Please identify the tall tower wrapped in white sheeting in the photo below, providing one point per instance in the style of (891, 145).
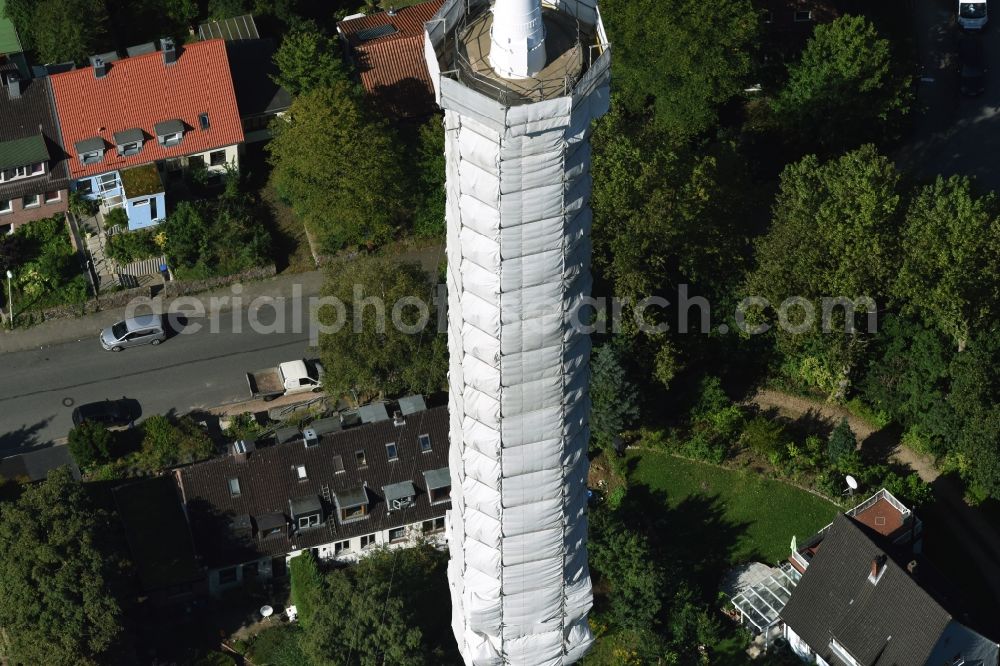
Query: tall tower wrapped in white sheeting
(520, 83)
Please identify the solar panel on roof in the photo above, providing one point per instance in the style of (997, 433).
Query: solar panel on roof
(369, 34)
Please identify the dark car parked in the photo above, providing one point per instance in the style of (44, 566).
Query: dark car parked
(109, 412)
(971, 66)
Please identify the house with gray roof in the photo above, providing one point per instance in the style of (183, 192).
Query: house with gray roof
(34, 181)
(855, 605)
(337, 492)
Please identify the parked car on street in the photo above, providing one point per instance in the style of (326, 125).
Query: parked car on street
(971, 66)
(288, 378)
(144, 330)
(112, 413)
(972, 14)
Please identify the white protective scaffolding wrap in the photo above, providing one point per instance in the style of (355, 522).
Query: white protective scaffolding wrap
(518, 245)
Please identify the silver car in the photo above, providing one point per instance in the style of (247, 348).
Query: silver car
(144, 330)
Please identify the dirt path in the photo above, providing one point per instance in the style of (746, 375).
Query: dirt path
(794, 407)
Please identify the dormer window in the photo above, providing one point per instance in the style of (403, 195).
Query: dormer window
(438, 485)
(129, 142)
(169, 132)
(23, 158)
(399, 495)
(307, 512)
(352, 504)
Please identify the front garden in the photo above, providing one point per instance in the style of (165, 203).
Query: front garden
(46, 269)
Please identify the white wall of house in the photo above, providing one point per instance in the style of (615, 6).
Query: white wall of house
(230, 155)
(224, 578)
(799, 646)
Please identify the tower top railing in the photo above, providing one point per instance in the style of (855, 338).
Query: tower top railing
(556, 80)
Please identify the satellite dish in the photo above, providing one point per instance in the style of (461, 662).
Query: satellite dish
(852, 483)
(266, 611)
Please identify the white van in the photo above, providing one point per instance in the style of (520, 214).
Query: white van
(144, 330)
(972, 14)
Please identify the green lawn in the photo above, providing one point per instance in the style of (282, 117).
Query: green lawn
(760, 515)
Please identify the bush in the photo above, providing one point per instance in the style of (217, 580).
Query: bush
(165, 443)
(208, 239)
(132, 246)
(82, 207)
(47, 272)
(842, 442)
(278, 646)
(763, 436)
(90, 444)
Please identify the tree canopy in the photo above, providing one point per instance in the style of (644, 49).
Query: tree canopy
(307, 59)
(950, 274)
(370, 353)
(614, 399)
(55, 607)
(340, 168)
(90, 443)
(61, 30)
(679, 59)
(845, 89)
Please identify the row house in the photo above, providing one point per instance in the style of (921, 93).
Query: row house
(336, 490)
(129, 125)
(33, 169)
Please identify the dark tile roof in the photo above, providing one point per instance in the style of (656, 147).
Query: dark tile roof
(252, 65)
(892, 622)
(157, 533)
(268, 482)
(36, 465)
(388, 52)
(31, 115)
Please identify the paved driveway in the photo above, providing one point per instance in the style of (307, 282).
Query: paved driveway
(954, 134)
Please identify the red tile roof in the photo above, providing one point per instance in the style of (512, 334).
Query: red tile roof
(392, 68)
(141, 91)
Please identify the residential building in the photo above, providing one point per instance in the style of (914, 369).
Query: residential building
(35, 465)
(856, 606)
(251, 60)
(33, 172)
(335, 491)
(386, 50)
(131, 124)
(759, 606)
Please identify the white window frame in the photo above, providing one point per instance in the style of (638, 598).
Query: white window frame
(341, 547)
(172, 139)
(25, 204)
(312, 520)
(234, 487)
(140, 202)
(107, 182)
(38, 169)
(57, 198)
(425, 438)
(392, 451)
(9, 208)
(401, 531)
(130, 148)
(93, 157)
(370, 538)
(211, 158)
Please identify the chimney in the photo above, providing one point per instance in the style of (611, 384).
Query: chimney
(100, 68)
(242, 449)
(169, 51)
(391, 11)
(397, 419)
(878, 568)
(13, 86)
(912, 567)
(310, 438)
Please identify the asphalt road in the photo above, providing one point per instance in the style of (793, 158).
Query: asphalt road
(954, 134)
(187, 372)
